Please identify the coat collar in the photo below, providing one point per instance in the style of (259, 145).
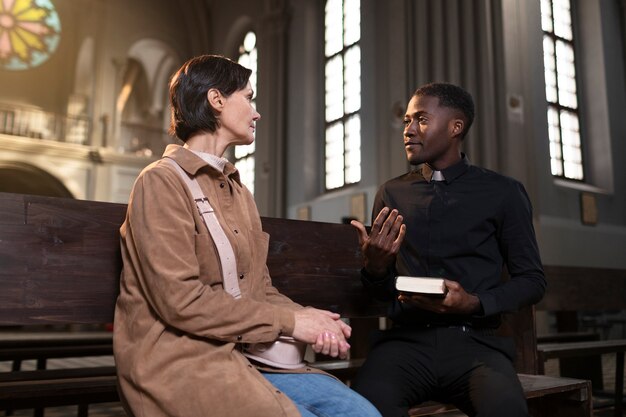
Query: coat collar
(192, 163)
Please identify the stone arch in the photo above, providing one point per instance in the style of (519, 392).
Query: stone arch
(80, 101)
(160, 97)
(236, 34)
(23, 178)
(83, 83)
(141, 113)
(158, 60)
(133, 98)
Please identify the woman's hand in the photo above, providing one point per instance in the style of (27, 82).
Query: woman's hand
(323, 331)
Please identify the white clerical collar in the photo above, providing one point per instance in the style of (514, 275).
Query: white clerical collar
(437, 176)
(213, 160)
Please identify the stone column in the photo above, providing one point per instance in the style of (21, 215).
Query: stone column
(270, 169)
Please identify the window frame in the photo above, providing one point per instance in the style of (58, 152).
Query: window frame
(345, 118)
(249, 155)
(558, 106)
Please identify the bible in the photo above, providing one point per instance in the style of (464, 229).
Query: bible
(422, 285)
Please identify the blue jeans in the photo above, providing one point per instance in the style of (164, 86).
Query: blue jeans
(318, 395)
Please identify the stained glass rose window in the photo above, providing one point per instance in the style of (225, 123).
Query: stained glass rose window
(30, 31)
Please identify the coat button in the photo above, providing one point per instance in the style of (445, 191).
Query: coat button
(222, 185)
(241, 276)
(239, 337)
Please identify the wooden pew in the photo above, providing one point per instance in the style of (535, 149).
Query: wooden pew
(572, 290)
(61, 263)
(17, 346)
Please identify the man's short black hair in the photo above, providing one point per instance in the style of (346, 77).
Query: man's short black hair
(191, 111)
(451, 96)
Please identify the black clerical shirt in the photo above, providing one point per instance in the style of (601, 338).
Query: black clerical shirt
(465, 229)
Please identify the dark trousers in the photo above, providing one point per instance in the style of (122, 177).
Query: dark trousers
(468, 368)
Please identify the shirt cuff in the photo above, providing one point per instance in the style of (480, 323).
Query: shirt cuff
(488, 304)
(375, 279)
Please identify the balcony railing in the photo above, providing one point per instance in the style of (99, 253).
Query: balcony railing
(38, 124)
(134, 138)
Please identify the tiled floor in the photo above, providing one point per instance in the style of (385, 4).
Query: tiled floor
(115, 410)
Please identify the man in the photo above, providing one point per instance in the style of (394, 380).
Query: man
(456, 221)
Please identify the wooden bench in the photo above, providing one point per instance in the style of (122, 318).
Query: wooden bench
(61, 263)
(17, 346)
(572, 290)
(563, 337)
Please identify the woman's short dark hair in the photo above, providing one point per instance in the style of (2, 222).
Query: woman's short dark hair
(191, 111)
(451, 96)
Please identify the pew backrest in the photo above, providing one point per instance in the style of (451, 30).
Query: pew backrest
(60, 264)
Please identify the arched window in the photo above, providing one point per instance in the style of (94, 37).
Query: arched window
(244, 155)
(566, 154)
(342, 92)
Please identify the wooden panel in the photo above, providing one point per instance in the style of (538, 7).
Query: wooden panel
(21, 339)
(50, 374)
(60, 259)
(557, 397)
(567, 337)
(30, 394)
(563, 397)
(12, 209)
(49, 352)
(319, 264)
(61, 262)
(577, 349)
(521, 327)
(573, 288)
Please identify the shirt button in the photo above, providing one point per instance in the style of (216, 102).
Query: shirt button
(236, 231)
(222, 185)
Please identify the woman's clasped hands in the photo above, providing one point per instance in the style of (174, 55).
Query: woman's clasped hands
(323, 330)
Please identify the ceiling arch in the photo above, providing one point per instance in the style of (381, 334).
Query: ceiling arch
(23, 178)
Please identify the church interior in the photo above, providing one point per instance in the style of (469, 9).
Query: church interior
(84, 107)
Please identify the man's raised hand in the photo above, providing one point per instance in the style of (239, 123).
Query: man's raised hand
(383, 243)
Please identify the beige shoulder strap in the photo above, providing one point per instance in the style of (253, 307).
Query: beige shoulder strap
(224, 248)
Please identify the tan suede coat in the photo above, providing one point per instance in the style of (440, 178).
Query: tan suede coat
(176, 329)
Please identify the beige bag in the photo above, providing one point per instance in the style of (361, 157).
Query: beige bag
(285, 352)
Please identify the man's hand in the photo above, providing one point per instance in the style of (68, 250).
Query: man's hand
(323, 331)
(382, 245)
(456, 301)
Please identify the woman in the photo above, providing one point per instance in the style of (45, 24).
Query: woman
(178, 332)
